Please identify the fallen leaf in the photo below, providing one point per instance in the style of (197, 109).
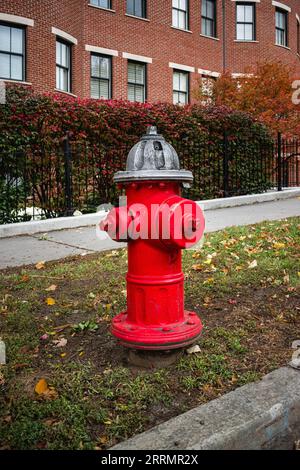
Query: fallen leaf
(41, 387)
(25, 278)
(44, 337)
(286, 279)
(50, 301)
(60, 343)
(63, 355)
(232, 301)
(52, 288)
(197, 267)
(194, 349)
(253, 264)
(40, 265)
(278, 245)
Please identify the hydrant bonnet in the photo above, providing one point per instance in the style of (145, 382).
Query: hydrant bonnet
(153, 159)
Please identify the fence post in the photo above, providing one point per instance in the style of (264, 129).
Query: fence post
(225, 166)
(68, 177)
(279, 162)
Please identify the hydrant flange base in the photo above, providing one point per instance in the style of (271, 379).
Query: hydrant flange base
(170, 336)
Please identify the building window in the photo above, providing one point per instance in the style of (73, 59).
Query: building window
(136, 81)
(102, 3)
(136, 8)
(12, 52)
(209, 18)
(245, 21)
(100, 76)
(63, 66)
(180, 14)
(207, 84)
(180, 87)
(281, 27)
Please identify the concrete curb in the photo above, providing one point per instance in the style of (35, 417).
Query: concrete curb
(64, 223)
(211, 204)
(50, 225)
(260, 415)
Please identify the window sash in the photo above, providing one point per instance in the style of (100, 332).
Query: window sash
(136, 8)
(245, 28)
(101, 81)
(102, 3)
(180, 14)
(136, 81)
(281, 27)
(180, 87)
(63, 66)
(209, 18)
(12, 62)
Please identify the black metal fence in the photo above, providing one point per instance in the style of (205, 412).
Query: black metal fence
(70, 176)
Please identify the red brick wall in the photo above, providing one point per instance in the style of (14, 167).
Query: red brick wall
(154, 38)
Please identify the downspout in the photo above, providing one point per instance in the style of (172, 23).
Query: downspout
(224, 35)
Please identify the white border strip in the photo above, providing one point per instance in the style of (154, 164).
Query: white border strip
(101, 50)
(247, 1)
(185, 68)
(209, 73)
(64, 35)
(16, 19)
(281, 5)
(138, 58)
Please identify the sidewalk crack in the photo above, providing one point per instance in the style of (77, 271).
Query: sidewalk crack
(90, 250)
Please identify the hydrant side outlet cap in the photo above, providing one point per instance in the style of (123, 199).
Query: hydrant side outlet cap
(153, 159)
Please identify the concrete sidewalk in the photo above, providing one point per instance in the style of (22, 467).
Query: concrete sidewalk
(29, 249)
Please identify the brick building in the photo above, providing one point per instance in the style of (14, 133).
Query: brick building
(141, 49)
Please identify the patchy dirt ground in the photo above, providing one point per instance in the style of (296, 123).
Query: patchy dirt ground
(67, 383)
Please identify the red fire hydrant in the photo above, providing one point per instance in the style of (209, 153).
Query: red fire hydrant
(157, 223)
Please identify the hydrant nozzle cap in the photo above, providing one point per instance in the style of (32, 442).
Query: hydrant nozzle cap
(153, 159)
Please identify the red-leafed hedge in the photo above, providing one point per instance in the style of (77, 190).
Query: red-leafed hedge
(102, 132)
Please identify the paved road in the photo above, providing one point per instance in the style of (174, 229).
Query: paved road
(22, 250)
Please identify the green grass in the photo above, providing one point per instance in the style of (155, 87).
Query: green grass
(250, 317)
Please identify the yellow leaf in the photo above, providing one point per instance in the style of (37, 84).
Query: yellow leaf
(278, 245)
(298, 273)
(52, 288)
(41, 387)
(63, 355)
(50, 301)
(40, 265)
(210, 280)
(108, 422)
(207, 261)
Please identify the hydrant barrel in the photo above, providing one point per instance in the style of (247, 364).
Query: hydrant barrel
(159, 223)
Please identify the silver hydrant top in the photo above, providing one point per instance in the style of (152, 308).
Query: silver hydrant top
(153, 159)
